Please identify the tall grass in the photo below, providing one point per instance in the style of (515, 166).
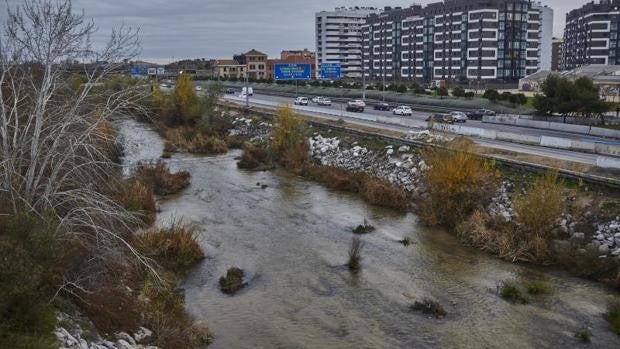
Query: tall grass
(355, 254)
(538, 210)
(374, 190)
(289, 142)
(175, 247)
(158, 177)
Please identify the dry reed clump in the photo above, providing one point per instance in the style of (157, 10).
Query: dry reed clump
(355, 254)
(374, 190)
(160, 179)
(429, 307)
(255, 158)
(137, 197)
(191, 141)
(458, 182)
(176, 248)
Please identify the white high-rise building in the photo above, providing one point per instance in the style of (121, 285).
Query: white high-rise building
(543, 15)
(339, 38)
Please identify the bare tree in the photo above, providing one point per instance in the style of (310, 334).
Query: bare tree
(55, 138)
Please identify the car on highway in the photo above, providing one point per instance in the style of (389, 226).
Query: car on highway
(324, 101)
(441, 118)
(356, 106)
(459, 116)
(230, 91)
(403, 110)
(478, 114)
(198, 88)
(164, 85)
(316, 99)
(247, 90)
(382, 106)
(301, 101)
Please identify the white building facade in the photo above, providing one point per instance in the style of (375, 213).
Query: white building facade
(338, 38)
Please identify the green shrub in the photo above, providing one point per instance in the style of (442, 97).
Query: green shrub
(30, 250)
(429, 306)
(583, 335)
(613, 316)
(363, 228)
(512, 293)
(536, 288)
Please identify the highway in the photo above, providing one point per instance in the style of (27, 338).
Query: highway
(367, 119)
(337, 108)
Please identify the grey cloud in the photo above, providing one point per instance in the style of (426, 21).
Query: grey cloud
(220, 28)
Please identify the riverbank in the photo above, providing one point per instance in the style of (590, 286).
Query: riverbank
(585, 229)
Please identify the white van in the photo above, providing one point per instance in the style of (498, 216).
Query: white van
(248, 91)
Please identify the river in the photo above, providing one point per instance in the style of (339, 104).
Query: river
(292, 238)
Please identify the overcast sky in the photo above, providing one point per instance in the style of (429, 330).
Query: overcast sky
(220, 28)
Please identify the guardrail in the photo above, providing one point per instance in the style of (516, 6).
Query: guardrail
(556, 126)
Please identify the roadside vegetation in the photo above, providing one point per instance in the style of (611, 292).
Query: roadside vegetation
(188, 122)
(565, 97)
(70, 223)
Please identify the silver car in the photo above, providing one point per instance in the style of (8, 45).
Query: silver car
(459, 116)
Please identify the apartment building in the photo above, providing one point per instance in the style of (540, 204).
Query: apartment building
(556, 54)
(591, 34)
(338, 38)
(228, 68)
(459, 39)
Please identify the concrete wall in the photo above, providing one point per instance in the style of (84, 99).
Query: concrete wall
(556, 126)
(607, 162)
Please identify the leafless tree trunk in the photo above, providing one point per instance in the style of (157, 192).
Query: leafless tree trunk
(52, 136)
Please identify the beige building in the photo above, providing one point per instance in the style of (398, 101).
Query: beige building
(227, 68)
(256, 64)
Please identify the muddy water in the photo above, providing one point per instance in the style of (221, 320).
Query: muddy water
(292, 239)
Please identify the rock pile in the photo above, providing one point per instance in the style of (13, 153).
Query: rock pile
(427, 136)
(397, 166)
(501, 204)
(72, 335)
(257, 132)
(607, 238)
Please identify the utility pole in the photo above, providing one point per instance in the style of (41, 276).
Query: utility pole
(247, 89)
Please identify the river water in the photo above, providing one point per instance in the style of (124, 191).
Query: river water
(292, 238)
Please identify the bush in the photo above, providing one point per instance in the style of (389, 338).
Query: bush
(135, 196)
(458, 182)
(458, 91)
(165, 315)
(583, 335)
(613, 316)
(505, 96)
(233, 281)
(289, 143)
(470, 95)
(30, 250)
(428, 306)
(491, 95)
(158, 177)
(442, 92)
(374, 190)
(175, 248)
(355, 254)
(364, 228)
(255, 158)
(538, 210)
(512, 293)
(537, 288)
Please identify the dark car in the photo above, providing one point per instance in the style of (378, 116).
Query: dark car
(382, 106)
(478, 114)
(230, 91)
(441, 118)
